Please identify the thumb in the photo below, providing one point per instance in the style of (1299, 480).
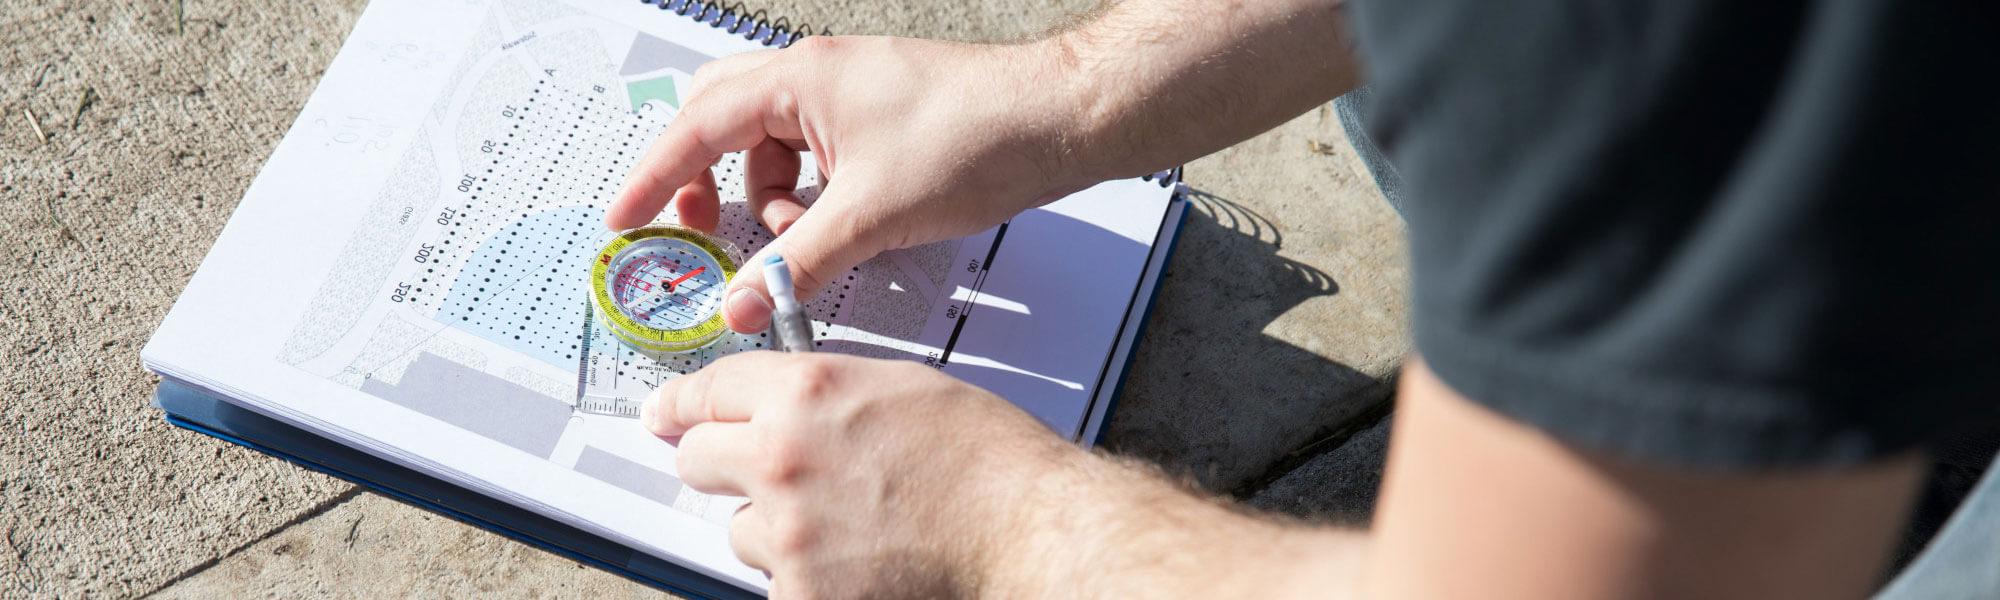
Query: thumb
(826, 241)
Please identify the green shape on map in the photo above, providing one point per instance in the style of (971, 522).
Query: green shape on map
(658, 88)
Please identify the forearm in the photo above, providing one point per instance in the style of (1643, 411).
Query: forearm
(1093, 526)
(1161, 82)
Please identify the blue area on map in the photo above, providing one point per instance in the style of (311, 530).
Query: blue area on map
(525, 287)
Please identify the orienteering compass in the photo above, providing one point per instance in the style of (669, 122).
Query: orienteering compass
(659, 288)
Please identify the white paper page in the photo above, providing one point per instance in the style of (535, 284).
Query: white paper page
(408, 273)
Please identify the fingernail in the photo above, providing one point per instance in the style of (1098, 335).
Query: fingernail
(749, 309)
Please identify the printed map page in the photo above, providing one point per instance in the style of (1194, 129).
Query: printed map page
(455, 164)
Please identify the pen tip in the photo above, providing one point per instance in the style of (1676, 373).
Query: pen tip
(774, 260)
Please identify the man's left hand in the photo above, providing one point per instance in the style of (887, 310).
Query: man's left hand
(866, 478)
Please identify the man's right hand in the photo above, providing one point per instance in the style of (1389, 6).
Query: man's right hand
(917, 141)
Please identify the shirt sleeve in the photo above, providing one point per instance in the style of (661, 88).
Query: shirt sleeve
(1734, 239)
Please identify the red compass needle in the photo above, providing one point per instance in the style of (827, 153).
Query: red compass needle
(677, 280)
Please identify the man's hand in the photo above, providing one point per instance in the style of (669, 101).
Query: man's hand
(919, 141)
(867, 478)
(879, 478)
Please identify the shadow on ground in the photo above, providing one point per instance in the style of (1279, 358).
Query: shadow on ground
(1213, 395)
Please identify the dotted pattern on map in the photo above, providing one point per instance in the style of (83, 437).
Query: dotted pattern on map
(513, 263)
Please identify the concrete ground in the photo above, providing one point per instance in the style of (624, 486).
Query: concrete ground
(129, 130)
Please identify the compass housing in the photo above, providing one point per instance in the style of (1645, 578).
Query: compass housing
(659, 288)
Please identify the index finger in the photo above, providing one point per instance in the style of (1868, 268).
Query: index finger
(726, 390)
(729, 115)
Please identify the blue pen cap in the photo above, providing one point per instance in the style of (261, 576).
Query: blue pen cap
(778, 279)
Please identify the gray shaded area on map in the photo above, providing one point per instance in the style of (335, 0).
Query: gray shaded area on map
(650, 54)
(634, 477)
(475, 401)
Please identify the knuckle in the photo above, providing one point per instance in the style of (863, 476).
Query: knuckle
(814, 378)
(705, 74)
(708, 134)
(693, 110)
(811, 276)
(804, 281)
(816, 45)
(790, 536)
(786, 462)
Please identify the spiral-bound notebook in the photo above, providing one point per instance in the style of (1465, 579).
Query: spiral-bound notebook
(400, 297)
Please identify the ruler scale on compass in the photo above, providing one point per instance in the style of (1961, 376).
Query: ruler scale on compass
(616, 406)
(598, 404)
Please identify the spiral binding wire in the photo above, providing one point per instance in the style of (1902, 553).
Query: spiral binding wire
(734, 18)
(1167, 178)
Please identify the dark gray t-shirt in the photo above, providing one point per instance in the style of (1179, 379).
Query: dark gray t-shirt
(1703, 233)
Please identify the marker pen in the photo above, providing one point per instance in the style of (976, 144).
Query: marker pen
(789, 325)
